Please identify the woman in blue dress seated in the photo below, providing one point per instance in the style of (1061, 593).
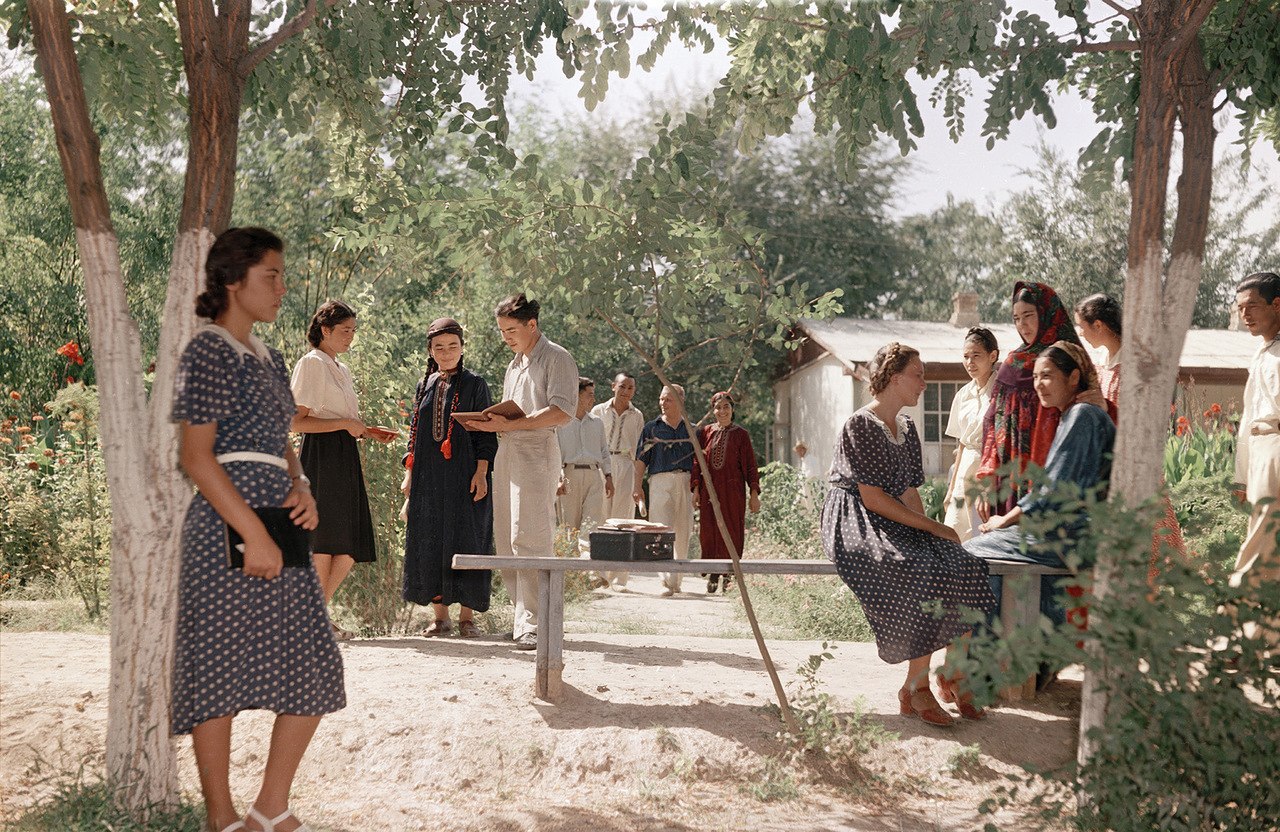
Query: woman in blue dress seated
(1079, 460)
(903, 566)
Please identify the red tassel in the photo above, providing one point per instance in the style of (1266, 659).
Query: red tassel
(408, 462)
(446, 449)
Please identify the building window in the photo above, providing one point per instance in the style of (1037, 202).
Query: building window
(938, 396)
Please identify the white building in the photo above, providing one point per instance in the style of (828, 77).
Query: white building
(827, 380)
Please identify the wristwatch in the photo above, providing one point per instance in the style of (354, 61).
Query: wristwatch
(303, 479)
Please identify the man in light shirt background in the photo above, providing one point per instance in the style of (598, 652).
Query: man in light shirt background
(586, 480)
(1258, 442)
(622, 425)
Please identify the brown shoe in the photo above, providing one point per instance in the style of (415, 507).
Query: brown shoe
(921, 703)
(439, 627)
(468, 629)
(949, 690)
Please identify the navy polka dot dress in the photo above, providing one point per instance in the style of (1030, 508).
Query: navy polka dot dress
(242, 642)
(893, 569)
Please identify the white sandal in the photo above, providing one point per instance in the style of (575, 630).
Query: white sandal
(234, 826)
(270, 825)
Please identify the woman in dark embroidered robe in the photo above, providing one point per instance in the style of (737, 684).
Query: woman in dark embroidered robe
(449, 509)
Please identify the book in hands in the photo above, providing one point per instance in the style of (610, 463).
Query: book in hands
(509, 409)
(381, 434)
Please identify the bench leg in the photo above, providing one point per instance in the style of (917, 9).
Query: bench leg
(550, 658)
(1019, 607)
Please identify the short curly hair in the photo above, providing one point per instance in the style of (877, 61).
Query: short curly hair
(889, 361)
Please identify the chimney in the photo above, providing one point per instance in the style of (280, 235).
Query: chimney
(964, 310)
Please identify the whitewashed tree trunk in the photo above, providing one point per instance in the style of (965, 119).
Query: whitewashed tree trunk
(149, 494)
(1174, 90)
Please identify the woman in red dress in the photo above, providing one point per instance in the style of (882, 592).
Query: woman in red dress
(732, 464)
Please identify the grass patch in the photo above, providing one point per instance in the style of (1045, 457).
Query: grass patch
(818, 608)
(775, 783)
(47, 604)
(81, 803)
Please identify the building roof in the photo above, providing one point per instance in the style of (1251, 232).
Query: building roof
(855, 341)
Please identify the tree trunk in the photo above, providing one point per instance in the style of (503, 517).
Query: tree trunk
(1158, 306)
(148, 492)
(141, 765)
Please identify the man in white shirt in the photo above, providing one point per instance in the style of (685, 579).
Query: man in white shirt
(622, 425)
(542, 380)
(586, 480)
(1258, 442)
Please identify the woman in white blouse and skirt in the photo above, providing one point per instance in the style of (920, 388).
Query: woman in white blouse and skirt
(981, 352)
(328, 419)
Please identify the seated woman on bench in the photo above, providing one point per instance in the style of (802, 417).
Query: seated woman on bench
(1080, 455)
(900, 563)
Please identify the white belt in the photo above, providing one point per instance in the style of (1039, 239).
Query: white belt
(253, 456)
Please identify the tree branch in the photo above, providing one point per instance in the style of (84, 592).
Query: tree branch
(1122, 10)
(288, 29)
(1106, 46)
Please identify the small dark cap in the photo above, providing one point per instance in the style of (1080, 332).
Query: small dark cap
(444, 326)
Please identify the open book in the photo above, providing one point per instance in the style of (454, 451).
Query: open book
(508, 408)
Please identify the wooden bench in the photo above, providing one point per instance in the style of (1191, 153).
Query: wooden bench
(1019, 602)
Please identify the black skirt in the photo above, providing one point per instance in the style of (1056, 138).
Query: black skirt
(332, 462)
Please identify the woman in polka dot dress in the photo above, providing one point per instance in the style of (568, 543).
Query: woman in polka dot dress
(897, 560)
(257, 637)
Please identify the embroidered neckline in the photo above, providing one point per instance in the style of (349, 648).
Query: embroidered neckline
(439, 406)
(719, 444)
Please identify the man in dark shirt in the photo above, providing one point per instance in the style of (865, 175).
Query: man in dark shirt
(666, 454)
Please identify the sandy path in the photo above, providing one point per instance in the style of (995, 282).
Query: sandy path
(657, 731)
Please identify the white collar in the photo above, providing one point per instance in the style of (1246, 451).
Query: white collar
(258, 351)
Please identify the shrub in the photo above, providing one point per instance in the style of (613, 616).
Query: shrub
(1180, 747)
(55, 529)
(790, 510)
(1213, 522)
(827, 739)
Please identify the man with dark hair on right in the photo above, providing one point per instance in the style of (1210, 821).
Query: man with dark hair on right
(543, 379)
(1258, 442)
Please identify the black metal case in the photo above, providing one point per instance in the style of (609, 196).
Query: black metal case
(608, 544)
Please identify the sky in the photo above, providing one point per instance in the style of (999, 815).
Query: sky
(965, 170)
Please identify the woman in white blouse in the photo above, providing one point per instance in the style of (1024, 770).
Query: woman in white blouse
(981, 352)
(328, 419)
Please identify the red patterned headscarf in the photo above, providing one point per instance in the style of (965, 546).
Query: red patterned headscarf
(1055, 323)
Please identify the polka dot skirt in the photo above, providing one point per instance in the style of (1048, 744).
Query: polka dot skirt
(242, 642)
(899, 574)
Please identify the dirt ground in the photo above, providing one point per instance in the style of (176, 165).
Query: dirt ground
(659, 730)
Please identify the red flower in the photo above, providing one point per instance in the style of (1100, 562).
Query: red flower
(71, 352)
(1208, 414)
(1183, 425)
(15, 395)
(34, 466)
(1215, 408)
